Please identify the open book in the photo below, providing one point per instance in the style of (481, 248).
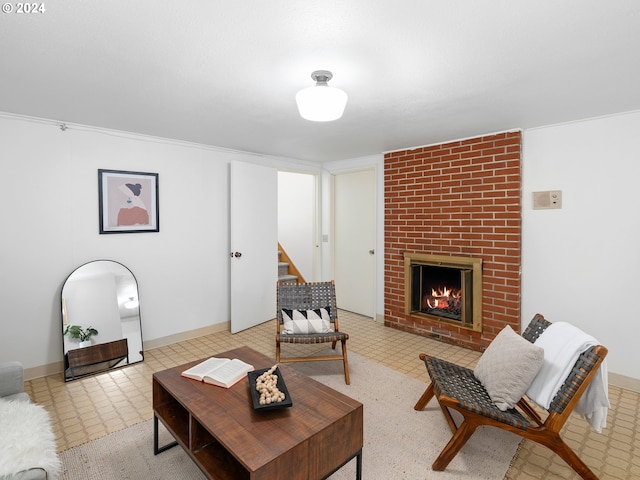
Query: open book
(222, 372)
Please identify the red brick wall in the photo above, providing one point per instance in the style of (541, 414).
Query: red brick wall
(460, 198)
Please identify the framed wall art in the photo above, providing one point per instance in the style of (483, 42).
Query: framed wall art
(128, 201)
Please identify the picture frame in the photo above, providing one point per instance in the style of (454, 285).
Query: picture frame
(128, 201)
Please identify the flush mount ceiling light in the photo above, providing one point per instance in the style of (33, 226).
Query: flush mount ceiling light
(131, 303)
(321, 103)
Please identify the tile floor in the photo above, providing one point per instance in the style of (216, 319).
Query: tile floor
(95, 406)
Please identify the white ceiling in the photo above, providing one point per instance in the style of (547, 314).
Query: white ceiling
(226, 73)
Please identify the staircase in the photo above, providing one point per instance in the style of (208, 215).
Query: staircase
(283, 270)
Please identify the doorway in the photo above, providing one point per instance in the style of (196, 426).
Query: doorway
(298, 221)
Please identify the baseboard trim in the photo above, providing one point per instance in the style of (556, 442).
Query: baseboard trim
(58, 367)
(622, 381)
(191, 334)
(43, 370)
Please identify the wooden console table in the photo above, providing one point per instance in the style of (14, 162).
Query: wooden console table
(95, 358)
(229, 440)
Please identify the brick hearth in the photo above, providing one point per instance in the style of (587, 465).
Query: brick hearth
(460, 198)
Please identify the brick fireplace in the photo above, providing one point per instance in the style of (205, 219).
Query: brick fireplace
(458, 199)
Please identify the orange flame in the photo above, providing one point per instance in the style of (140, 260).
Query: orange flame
(440, 297)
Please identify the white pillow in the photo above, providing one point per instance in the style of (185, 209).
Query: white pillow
(507, 367)
(317, 320)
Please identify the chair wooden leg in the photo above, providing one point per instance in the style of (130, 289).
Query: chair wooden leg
(345, 363)
(449, 418)
(458, 440)
(277, 351)
(557, 445)
(425, 398)
(574, 462)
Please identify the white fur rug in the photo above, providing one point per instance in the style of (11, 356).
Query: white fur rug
(399, 443)
(26, 439)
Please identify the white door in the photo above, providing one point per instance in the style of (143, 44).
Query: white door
(254, 244)
(354, 241)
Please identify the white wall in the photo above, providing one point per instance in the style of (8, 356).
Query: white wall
(93, 302)
(580, 263)
(49, 215)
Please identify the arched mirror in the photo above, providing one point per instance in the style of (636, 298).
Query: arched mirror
(101, 326)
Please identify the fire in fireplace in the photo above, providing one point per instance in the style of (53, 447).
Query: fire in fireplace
(445, 302)
(444, 288)
(437, 291)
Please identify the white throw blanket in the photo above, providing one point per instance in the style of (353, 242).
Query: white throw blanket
(563, 343)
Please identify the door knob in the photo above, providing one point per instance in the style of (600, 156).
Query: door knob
(372, 251)
(235, 254)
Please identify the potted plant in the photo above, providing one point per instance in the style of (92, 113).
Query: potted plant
(83, 335)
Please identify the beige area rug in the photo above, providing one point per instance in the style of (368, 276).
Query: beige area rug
(399, 443)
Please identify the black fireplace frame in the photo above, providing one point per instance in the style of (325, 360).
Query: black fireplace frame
(472, 268)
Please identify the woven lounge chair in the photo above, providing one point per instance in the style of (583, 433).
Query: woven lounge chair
(310, 296)
(457, 388)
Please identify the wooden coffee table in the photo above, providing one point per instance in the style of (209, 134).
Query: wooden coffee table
(229, 440)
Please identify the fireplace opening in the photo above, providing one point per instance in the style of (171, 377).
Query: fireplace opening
(438, 291)
(444, 288)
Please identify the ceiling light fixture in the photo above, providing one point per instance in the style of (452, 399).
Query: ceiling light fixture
(321, 103)
(131, 303)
